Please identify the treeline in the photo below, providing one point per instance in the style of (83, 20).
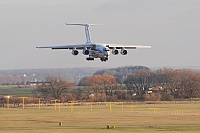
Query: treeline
(164, 84)
(120, 84)
(121, 72)
(159, 85)
(12, 80)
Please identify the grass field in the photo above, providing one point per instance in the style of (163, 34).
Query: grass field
(14, 90)
(167, 118)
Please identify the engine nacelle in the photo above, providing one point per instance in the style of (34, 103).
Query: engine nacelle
(75, 52)
(115, 51)
(123, 51)
(86, 51)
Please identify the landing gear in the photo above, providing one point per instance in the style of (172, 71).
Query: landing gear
(90, 59)
(104, 59)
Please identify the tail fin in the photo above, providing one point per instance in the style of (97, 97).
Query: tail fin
(87, 32)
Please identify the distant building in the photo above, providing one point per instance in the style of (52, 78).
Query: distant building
(36, 83)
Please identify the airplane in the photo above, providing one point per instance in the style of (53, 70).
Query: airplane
(95, 50)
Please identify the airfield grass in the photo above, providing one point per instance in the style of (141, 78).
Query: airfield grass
(14, 90)
(168, 118)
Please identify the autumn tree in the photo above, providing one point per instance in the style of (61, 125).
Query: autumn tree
(121, 72)
(53, 87)
(102, 84)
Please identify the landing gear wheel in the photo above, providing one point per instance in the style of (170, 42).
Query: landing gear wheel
(104, 59)
(90, 59)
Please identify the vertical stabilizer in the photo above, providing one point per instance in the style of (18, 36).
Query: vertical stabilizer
(87, 33)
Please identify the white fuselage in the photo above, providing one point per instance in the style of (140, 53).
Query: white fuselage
(99, 51)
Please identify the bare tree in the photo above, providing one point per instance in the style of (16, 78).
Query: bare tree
(139, 82)
(54, 87)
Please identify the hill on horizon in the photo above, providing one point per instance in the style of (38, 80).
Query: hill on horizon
(72, 75)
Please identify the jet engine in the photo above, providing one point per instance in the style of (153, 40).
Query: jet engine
(123, 51)
(85, 51)
(75, 52)
(115, 51)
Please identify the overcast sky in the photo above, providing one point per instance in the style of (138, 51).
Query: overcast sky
(171, 27)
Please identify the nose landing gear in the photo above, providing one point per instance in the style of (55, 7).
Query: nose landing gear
(90, 59)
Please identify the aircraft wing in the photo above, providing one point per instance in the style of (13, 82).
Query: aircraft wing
(126, 46)
(72, 46)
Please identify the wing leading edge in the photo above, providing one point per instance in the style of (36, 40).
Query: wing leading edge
(77, 46)
(120, 46)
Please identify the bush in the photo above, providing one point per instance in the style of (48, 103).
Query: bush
(167, 97)
(128, 97)
(152, 97)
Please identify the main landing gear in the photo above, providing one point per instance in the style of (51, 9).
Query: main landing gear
(104, 59)
(92, 59)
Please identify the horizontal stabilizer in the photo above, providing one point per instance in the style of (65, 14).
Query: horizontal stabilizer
(84, 24)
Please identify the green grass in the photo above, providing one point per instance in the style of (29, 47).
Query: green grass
(14, 90)
(184, 119)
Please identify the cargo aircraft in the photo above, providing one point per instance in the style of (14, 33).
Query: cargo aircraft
(96, 50)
